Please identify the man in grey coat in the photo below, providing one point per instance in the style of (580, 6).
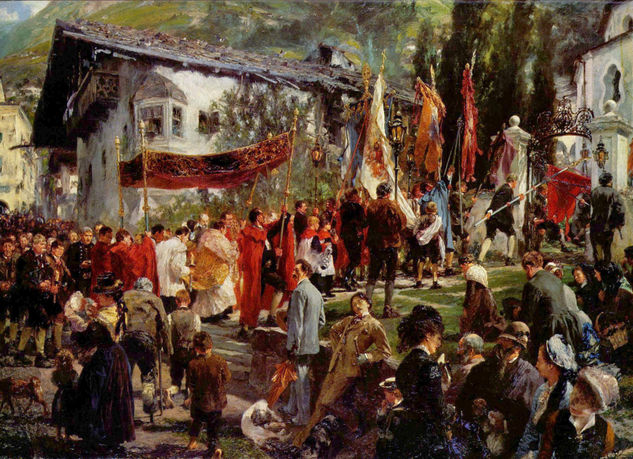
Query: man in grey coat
(305, 317)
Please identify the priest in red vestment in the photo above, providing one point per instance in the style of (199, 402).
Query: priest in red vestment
(143, 260)
(120, 255)
(252, 242)
(100, 255)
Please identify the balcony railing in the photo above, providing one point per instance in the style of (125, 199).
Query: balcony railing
(98, 93)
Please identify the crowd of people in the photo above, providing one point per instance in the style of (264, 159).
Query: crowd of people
(112, 300)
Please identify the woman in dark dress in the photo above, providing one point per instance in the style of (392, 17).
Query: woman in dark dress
(104, 404)
(418, 425)
(586, 290)
(615, 292)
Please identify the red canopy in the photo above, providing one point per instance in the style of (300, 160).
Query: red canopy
(172, 171)
(562, 191)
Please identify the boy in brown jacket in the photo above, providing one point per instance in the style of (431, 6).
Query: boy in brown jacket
(207, 376)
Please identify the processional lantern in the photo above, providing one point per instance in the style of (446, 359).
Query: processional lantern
(397, 131)
(316, 154)
(600, 154)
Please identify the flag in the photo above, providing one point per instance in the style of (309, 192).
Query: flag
(378, 165)
(562, 191)
(629, 165)
(428, 145)
(502, 153)
(352, 157)
(471, 118)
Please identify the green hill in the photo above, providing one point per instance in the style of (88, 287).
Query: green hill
(293, 29)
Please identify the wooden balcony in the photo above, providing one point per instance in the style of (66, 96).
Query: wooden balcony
(98, 93)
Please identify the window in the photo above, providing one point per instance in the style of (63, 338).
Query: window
(176, 121)
(611, 83)
(152, 116)
(208, 123)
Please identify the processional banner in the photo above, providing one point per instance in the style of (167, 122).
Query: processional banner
(378, 164)
(562, 191)
(172, 171)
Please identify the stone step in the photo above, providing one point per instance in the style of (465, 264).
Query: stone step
(231, 345)
(235, 357)
(239, 372)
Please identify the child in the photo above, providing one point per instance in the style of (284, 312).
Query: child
(325, 267)
(428, 235)
(183, 324)
(580, 431)
(207, 376)
(65, 378)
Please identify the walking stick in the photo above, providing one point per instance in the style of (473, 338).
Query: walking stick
(159, 344)
(530, 190)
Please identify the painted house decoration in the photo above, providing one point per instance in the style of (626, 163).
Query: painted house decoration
(103, 79)
(19, 165)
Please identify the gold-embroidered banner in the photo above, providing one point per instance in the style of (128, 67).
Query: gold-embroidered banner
(173, 171)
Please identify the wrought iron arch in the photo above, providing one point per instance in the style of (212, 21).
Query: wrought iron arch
(562, 121)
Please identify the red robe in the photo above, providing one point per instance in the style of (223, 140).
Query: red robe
(342, 258)
(122, 266)
(285, 266)
(101, 261)
(252, 242)
(143, 261)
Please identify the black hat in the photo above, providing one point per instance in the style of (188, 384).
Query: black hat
(628, 252)
(605, 178)
(108, 285)
(384, 189)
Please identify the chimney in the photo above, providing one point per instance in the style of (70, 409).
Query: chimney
(2, 99)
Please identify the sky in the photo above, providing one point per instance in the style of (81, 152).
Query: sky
(19, 10)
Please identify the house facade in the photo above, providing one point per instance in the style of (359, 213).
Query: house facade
(19, 164)
(102, 80)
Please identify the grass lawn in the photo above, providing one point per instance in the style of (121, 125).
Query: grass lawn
(505, 282)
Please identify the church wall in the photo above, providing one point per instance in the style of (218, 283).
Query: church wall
(599, 68)
(620, 20)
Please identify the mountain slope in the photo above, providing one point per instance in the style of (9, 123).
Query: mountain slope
(293, 29)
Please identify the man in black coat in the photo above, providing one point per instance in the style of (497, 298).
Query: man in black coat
(36, 286)
(537, 225)
(545, 308)
(503, 220)
(352, 224)
(301, 219)
(502, 385)
(78, 261)
(607, 215)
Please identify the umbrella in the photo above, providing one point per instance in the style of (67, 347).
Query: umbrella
(285, 373)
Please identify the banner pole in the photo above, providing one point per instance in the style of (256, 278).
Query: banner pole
(117, 147)
(293, 135)
(141, 127)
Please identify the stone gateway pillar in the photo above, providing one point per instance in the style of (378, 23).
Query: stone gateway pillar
(615, 133)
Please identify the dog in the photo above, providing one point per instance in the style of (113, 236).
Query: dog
(31, 389)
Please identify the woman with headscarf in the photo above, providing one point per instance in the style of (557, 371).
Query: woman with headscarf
(104, 403)
(557, 365)
(480, 315)
(615, 292)
(580, 431)
(419, 424)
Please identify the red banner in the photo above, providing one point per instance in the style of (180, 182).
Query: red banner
(562, 191)
(172, 171)
(471, 117)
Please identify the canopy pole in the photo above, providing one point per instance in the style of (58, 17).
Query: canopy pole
(141, 128)
(117, 147)
(293, 135)
(249, 201)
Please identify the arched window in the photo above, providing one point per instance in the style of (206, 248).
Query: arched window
(612, 84)
(627, 23)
